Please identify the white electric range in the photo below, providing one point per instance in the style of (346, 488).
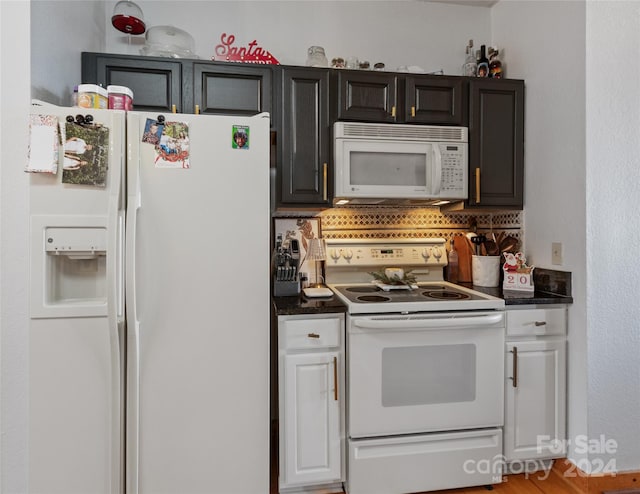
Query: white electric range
(425, 370)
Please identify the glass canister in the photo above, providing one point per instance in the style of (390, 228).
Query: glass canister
(316, 57)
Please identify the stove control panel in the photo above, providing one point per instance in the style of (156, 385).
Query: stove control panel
(425, 252)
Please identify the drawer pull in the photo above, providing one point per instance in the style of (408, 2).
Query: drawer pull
(540, 323)
(324, 182)
(393, 111)
(335, 378)
(313, 335)
(514, 379)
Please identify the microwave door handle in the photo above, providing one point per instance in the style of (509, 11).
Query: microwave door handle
(437, 170)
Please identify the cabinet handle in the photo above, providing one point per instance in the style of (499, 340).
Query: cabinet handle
(313, 335)
(515, 367)
(413, 111)
(540, 323)
(477, 185)
(393, 111)
(174, 109)
(197, 110)
(335, 378)
(324, 181)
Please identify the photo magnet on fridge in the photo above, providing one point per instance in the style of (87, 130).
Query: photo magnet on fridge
(173, 149)
(86, 154)
(152, 131)
(240, 135)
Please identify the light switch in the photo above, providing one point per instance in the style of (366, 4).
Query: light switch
(556, 253)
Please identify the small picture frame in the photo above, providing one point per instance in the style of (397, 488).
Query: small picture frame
(303, 230)
(152, 131)
(240, 137)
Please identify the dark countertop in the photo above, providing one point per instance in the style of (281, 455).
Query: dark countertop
(286, 306)
(522, 298)
(551, 287)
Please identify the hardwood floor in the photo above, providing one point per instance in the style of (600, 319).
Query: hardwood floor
(534, 483)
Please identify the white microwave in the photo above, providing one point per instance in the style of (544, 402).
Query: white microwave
(378, 163)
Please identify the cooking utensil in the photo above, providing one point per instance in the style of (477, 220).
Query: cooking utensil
(478, 240)
(509, 244)
(491, 247)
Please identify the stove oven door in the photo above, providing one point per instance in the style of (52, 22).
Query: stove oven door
(425, 372)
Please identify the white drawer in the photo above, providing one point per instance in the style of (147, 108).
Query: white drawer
(537, 322)
(310, 333)
(425, 462)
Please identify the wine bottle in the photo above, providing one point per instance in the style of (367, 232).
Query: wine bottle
(483, 63)
(495, 65)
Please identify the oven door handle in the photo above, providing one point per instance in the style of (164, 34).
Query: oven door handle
(429, 323)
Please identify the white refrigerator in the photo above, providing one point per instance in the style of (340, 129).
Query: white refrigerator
(149, 306)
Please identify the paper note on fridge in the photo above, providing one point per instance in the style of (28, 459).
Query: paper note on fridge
(43, 144)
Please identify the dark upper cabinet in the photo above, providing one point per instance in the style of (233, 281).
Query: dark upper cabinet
(157, 84)
(367, 96)
(496, 143)
(231, 89)
(401, 98)
(437, 100)
(304, 164)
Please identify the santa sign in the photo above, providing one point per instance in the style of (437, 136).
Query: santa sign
(252, 53)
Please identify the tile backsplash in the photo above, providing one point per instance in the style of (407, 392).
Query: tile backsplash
(385, 222)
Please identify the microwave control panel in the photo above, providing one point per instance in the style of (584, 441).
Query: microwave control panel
(454, 170)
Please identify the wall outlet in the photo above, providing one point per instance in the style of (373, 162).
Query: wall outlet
(556, 253)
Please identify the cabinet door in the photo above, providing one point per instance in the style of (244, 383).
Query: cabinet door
(435, 100)
(367, 96)
(156, 84)
(305, 164)
(311, 419)
(535, 413)
(231, 89)
(496, 143)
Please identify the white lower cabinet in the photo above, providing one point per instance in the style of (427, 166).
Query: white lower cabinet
(535, 389)
(311, 399)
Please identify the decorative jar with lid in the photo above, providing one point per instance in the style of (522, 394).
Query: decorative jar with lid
(316, 57)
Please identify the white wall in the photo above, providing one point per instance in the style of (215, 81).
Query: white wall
(61, 30)
(613, 227)
(545, 45)
(14, 115)
(430, 35)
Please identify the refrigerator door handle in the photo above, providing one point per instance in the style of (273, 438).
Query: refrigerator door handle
(133, 340)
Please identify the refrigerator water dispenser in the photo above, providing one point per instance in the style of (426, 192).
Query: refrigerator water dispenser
(76, 265)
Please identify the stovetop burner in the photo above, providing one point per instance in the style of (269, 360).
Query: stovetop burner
(363, 289)
(372, 298)
(446, 295)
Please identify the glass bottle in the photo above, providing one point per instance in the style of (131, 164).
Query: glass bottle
(452, 265)
(316, 57)
(483, 63)
(470, 66)
(495, 65)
